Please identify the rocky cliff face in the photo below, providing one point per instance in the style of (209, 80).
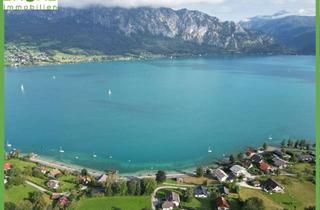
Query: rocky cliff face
(135, 31)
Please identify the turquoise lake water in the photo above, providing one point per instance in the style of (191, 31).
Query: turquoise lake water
(161, 113)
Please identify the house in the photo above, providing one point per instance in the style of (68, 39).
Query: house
(238, 170)
(53, 184)
(179, 180)
(246, 164)
(102, 179)
(174, 198)
(219, 174)
(250, 153)
(200, 192)
(55, 196)
(167, 205)
(306, 158)
(39, 169)
(84, 180)
(278, 162)
(264, 167)
(54, 173)
(222, 204)
(63, 201)
(231, 177)
(7, 166)
(256, 158)
(281, 154)
(223, 190)
(272, 186)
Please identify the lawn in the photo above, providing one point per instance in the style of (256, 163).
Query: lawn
(114, 203)
(270, 204)
(197, 204)
(20, 163)
(17, 193)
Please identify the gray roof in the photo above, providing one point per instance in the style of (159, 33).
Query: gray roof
(167, 204)
(200, 190)
(219, 174)
(237, 169)
(279, 162)
(172, 196)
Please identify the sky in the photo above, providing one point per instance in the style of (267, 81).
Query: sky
(223, 9)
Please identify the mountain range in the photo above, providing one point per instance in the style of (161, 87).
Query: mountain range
(158, 31)
(296, 32)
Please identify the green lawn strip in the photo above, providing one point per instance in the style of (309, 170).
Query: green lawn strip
(112, 203)
(198, 204)
(20, 163)
(17, 193)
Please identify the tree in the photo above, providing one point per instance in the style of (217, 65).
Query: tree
(148, 186)
(289, 144)
(10, 206)
(123, 188)
(138, 188)
(296, 144)
(16, 180)
(310, 208)
(231, 158)
(38, 200)
(253, 203)
(132, 187)
(161, 176)
(108, 189)
(265, 146)
(84, 172)
(240, 156)
(283, 143)
(188, 195)
(24, 205)
(199, 172)
(115, 186)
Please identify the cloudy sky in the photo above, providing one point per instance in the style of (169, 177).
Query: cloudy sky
(223, 9)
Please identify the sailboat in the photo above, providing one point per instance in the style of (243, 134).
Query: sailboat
(110, 156)
(22, 88)
(8, 144)
(270, 137)
(94, 155)
(61, 150)
(76, 157)
(53, 77)
(109, 92)
(209, 150)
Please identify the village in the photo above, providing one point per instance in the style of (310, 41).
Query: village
(269, 177)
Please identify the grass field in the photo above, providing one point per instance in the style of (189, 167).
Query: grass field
(114, 203)
(17, 193)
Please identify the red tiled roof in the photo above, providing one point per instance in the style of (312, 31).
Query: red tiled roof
(63, 201)
(7, 166)
(222, 203)
(264, 166)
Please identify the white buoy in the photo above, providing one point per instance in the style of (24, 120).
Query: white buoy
(109, 92)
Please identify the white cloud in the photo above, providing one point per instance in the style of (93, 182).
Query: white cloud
(137, 3)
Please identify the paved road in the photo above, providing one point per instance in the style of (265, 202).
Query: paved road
(154, 200)
(36, 186)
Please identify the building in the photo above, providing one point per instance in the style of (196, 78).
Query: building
(200, 192)
(238, 170)
(167, 205)
(174, 198)
(272, 186)
(63, 201)
(222, 204)
(220, 175)
(54, 173)
(7, 166)
(306, 158)
(264, 167)
(256, 158)
(102, 179)
(278, 162)
(53, 184)
(223, 190)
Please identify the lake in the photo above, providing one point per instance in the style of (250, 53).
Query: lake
(160, 113)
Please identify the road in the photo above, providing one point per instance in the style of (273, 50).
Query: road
(36, 186)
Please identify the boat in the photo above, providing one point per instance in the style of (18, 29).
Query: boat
(110, 157)
(9, 145)
(94, 155)
(129, 161)
(61, 150)
(53, 77)
(209, 150)
(270, 137)
(22, 88)
(109, 92)
(76, 157)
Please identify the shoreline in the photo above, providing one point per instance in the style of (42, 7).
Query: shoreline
(96, 173)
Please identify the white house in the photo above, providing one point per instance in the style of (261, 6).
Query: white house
(238, 170)
(220, 175)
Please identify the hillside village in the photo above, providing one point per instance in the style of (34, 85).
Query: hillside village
(264, 178)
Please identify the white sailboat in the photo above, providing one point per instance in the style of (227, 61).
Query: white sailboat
(270, 137)
(61, 150)
(94, 155)
(110, 156)
(22, 88)
(76, 157)
(109, 92)
(53, 77)
(209, 150)
(8, 144)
